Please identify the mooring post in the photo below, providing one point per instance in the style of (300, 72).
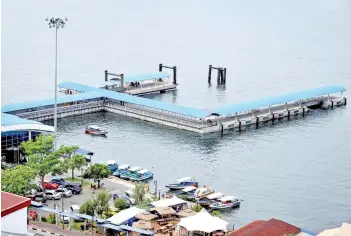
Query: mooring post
(224, 75)
(160, 67)
(174, 75)
(209, 74)
(122, 81)
(106, 75)
(218, 76)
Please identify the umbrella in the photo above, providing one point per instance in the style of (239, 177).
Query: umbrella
(186, 213)
(146, 216)
(165, 211)
(142, 224)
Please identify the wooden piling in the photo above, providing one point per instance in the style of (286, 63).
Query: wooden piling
(122, 81)
(174, 75)
(224, 75)
(218, 77)
(160, 67)
(106, 75)
(209, 74)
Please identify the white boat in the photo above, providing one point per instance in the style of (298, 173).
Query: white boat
(182, 183)
(225, 203)
(95, 130)
(201, 193)
(210, 199)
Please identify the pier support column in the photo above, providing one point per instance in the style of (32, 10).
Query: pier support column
(209, 74)
(106, 75)
(122, 82)
(160, 67)
(303, 111)
(345, 101)
(257, 119)
(174, 75)
(239, 125)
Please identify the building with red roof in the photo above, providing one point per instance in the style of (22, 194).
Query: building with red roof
(272, 227)
(14, 213)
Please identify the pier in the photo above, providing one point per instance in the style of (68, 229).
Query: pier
(83, 99)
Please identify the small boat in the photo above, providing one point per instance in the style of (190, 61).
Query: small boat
(182, 183)
(225, 203)
(112, 165)
(141, 175)
(128, 173)
(95, 130)
(210, 199)
(121, 170)
(201, 193)
(187, 191)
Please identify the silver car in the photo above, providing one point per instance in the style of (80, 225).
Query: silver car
(64, 191)
(51, 194)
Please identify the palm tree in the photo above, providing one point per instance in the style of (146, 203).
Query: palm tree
(139, 193)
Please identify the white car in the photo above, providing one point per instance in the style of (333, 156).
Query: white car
(64, 191)
(129, 194)
(51, 194)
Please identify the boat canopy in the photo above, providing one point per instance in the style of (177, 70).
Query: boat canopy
(201, 191)
(135, 169)
(143, 171)
(189, 188)
(111, 162)
(94, 127)
(228, 198)
(185, 179)
(168, 202)
(215, 195)
(123, 167)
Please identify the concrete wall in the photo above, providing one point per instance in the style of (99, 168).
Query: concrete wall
(15, 222)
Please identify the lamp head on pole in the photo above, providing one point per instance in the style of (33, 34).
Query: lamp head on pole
(56, 22)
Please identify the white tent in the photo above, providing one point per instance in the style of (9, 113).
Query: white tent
(203, 222)
(344, 230)
(168, 202)
(125, 215)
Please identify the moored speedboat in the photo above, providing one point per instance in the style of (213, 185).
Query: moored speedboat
(126, 175)
(112, 165)
(225, 203)
(187, 191)
(95, 130)
(141, 175)
(121, 169)
(210, 199)
(201, 193)
(182, 183)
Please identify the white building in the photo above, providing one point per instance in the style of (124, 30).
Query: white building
(14, 213)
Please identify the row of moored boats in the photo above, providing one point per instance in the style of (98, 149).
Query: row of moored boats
(188, 188)
(129, 173)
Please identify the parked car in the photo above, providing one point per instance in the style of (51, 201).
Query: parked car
(75, 210)
(75, 188)
(64, 191)
(52, 195)
(129, 194)
(64, 219)
(48, 185)
(122, 196)
(37, 195)
(59, 181)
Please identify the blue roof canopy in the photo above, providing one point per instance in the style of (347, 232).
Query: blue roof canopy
(280, 99)
(7, 120)
(50, 101)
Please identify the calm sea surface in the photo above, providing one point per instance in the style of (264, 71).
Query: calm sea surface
(297, 171)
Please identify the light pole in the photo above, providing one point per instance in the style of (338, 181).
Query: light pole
(56, 23)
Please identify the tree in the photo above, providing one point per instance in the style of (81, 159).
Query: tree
(120, 204)
(88, 207)
(139, 193)
(97, 172)
(77, 162)
(217, 214)
(17, 180)
(196, 208)
(101, 202)
(42, 158)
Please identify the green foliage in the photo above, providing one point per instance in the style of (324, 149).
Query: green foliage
(196, 208)
(120, 204)
(183, 197)
(51, 219)
(97, 172)
(217, 214)
(42, 145)
(139, 193)
(88, 207)
(43, 219)
(76, 162)
(101, 202)
(17, 180)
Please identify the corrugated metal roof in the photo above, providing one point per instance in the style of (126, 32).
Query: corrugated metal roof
(280, 99)
(50, 101)
(8, 120)
(11, 202)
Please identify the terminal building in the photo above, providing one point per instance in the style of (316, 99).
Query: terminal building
(15, 130)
